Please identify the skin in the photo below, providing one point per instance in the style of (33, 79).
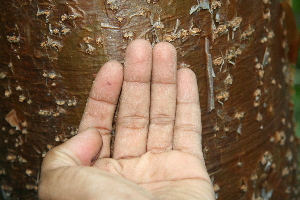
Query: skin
(157, 149)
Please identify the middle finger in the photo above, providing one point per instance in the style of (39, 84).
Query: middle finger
(133, 116)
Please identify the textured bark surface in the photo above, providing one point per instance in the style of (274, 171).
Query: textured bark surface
(51, 49)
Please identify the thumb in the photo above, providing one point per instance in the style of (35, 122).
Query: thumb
(82, 149)
(66, 173)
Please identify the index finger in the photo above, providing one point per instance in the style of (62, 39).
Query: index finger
(101, 105)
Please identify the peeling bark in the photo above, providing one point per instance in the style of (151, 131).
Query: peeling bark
(51, 49)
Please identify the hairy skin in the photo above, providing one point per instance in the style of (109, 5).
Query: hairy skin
(157, 151)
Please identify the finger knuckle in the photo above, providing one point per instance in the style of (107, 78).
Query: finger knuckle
(187, 128)
(162, 119)
(134, 122)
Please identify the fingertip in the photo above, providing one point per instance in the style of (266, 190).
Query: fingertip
(164, 63)
(111, 69)
(187, 77)
(87, 145)
(185, 72)
(164, 51)
(79, 150)
(139, 47)
(90, 133)
(138, 61)
(94, 140)
(138, 51)
(113, 64)
(108, 82)
(187, 86)
(162, 46)
(138, 42)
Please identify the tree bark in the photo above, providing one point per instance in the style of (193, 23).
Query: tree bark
(51, 50)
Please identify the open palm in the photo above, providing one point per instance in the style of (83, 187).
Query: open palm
(157, 147)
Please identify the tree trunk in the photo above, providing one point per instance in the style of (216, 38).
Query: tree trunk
(51, 50)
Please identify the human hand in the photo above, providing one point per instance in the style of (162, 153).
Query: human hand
(157, 149)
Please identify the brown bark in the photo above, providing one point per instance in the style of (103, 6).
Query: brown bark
(51, 49)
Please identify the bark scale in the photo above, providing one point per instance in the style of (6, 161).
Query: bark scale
(51, 49)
